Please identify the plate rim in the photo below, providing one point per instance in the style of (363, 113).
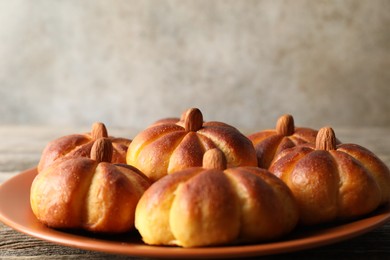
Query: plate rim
(377, 218)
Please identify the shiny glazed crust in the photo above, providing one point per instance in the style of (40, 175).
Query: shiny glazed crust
(338, 184)
(167, 147)
(79, 145)
(199, 207)
(79, 193)
(269, 143)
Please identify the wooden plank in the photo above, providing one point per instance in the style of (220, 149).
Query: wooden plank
(373, 245)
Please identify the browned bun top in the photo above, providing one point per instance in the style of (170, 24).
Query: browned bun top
(170, 145)
(80, 145)
(333, 182)
(270, 142)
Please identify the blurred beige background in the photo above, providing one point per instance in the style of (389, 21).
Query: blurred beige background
(129, 63)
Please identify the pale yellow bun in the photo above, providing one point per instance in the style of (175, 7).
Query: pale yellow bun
(212, 205)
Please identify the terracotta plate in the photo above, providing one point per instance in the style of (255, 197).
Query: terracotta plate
(15, 212)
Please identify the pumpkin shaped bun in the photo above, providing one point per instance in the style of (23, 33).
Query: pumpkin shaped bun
(88, 193)
(170, 145)
(333, 182)
(80, 145)
(270, 142)
(212, 205)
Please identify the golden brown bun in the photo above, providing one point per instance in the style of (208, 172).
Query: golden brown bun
(80, 145)
(82, 193)
(333, 182)
(212, 206)
(170, 145)
(269, 143)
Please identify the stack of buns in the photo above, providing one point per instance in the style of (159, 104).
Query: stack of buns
(191, 183)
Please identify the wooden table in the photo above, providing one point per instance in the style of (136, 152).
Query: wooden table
(20, 149)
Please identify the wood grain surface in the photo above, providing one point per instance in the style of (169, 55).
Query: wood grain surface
(20, 149)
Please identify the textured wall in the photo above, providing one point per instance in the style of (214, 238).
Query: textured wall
(129, 63)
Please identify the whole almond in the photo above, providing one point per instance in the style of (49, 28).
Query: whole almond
(193, 120)
(214, 159)
(285, 125)
(102, 150)
(326, 139)
(99, 130)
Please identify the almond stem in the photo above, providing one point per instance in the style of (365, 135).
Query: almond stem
(214, 159)
(102, 150)
(99, 130)
(326, 139)
(193, 120)
(285, 125)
